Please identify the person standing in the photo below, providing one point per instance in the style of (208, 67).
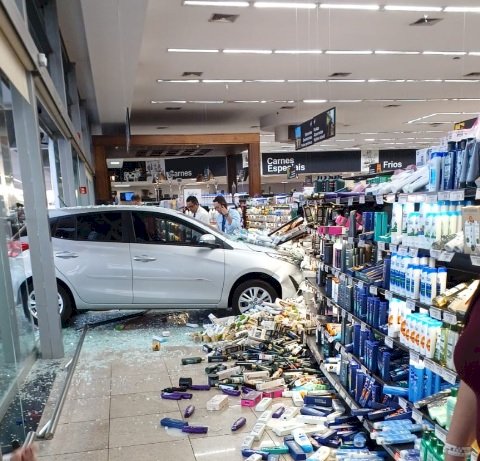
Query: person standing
(136, 200)
(198, 212)
(465, 426)
(228, 220)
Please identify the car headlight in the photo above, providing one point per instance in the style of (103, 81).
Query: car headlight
(281, 257)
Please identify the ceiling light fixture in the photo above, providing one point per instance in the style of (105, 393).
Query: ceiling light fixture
(314, 101)
(411, 8)
(346, 6)
(474, 53)
(221, 81)
(191, 50)
(345, 81)
(307, 81)
(248, 51)
(348, 52)
(214, 3)
(247, 102)
(168, 102)
(395, 52)
(182, 81)
(461, 81)
(346, 100)
(268, 81)
(445, 53)
(462, 9)
(206, 102)
(304, 6)
(298, 52)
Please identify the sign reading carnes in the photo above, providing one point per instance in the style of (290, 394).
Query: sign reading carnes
(311, 162)
(282, 165)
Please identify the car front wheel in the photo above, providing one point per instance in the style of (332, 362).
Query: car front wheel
(65, 304)
(251, 293)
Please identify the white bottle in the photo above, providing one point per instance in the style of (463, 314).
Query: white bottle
(417, 273)
(435, 171)
(441, 280)
(431, 285)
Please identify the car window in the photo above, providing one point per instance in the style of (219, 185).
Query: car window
(157, 228)
(100, 227)
(63, 227)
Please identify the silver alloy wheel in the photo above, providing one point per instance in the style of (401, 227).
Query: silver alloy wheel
(32, 304)
(253, 296)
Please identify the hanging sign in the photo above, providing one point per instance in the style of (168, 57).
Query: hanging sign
(317, 129)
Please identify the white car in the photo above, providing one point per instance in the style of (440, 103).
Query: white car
(129, 257)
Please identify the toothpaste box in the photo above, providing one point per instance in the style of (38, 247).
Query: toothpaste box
(217, 402)
(275, 393)
(251, 399)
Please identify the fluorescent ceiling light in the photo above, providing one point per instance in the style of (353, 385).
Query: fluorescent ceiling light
(214, 3)
(345, 100)
(345, 140)
(395, 52)
(248, 102)
(191, 50)
(474, 53)
(346, 81)
(346, 6)
(411, 8)
(182, 81)
(248, 51)
(112, 162)
(411, 100)
(369, 139)
(446, 53)
(468, 99)
(206, 102)
(291, 101)
(168, 102)
(314, 101)
(298, 51)
(348, 52)
(222, 81)
(431, 81)
(461, 81)
(306, 81)
(462, 9)
(374, 80)
(307, 6)
(268, 81)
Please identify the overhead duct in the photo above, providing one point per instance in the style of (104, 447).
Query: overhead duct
(285, 133)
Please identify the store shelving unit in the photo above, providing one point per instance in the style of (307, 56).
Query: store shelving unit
(268, 216)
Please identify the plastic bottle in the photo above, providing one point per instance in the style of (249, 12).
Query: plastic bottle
(416, 275)
(431, 286)
(451, 402)
(441, 280)
(434, 171)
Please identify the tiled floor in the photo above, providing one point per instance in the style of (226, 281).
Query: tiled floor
(113, 412)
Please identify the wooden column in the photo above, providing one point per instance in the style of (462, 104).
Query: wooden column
(254, 179)
(102, 181)
(231, 172)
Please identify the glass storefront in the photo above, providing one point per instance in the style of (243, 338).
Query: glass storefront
(17, 337)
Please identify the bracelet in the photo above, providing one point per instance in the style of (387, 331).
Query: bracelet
(453, 450)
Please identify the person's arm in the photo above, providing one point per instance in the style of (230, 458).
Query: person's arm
(464, 420)
(233, 220)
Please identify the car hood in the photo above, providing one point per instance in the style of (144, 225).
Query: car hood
(257, 248)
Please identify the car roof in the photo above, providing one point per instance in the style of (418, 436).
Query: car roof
(53, 213)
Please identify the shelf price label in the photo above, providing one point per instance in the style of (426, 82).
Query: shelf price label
(390, 198)
(420, 198)
(379, 199)
(457, 195)
(449, 376)
(435, 313)
(413, 252)
(475, 260)
(373, 290)
(342, 277)
(350, 281)
(417, 416)
(414, 356)
(349, 317)
(389, 342)
(444, 196)
(337, 346)
(322, 266)
(446, 256)
(402, 198)
(440, 433)
(350, 201)
(450, 318)
(361, 243)
(403, 403)
(381, 246)
(411, 304)
(388, 295)
(435, 253)
(432, 198)
(477, 194)
(361, 199)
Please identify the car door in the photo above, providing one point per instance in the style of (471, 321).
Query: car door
(92, 254)
(169, 266)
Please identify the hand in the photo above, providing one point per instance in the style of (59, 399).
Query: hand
(25, 454)
(224, 211)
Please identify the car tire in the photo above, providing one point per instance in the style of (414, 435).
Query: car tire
(252, 292)
(65, 303)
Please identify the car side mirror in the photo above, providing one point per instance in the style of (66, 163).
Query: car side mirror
(208, 240)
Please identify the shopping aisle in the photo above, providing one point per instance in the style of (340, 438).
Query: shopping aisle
(113, 411)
